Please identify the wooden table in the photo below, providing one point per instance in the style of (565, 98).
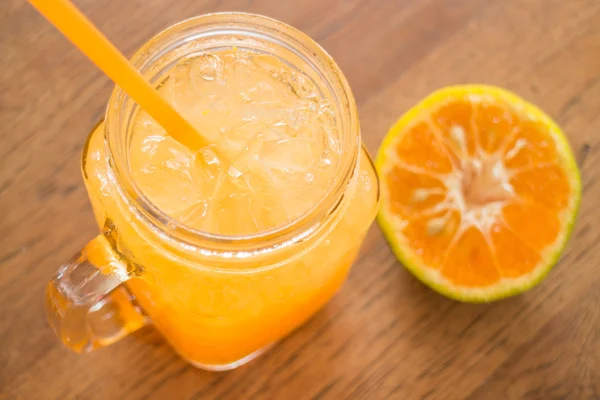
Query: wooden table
(384, 336)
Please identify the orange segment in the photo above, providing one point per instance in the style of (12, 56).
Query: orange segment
(479, 193)
(546, 185)
(513, 257)
(495, 124)
(470, 262)
(532, 145)
(537, 226)
(412, 193)
(419, 147)
(430, 236)
(455, 123)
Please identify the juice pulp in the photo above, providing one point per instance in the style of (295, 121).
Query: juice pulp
(274, 154)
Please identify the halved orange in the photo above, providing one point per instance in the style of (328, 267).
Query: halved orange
(480, 190)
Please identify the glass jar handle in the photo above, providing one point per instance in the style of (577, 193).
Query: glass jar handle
(86, 302)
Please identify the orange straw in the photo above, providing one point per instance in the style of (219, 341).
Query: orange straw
(83, 34)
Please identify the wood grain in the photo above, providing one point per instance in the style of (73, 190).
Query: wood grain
(384, 336)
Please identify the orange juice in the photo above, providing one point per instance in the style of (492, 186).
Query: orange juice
(274, 150)
(228, 248)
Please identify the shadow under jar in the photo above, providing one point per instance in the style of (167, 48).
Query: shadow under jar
(219, 300)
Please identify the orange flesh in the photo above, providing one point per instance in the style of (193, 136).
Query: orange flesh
(479, 190)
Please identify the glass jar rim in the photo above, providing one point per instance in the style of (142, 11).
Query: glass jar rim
(267, 29)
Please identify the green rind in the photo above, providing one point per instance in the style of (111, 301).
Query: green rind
(497, 292)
